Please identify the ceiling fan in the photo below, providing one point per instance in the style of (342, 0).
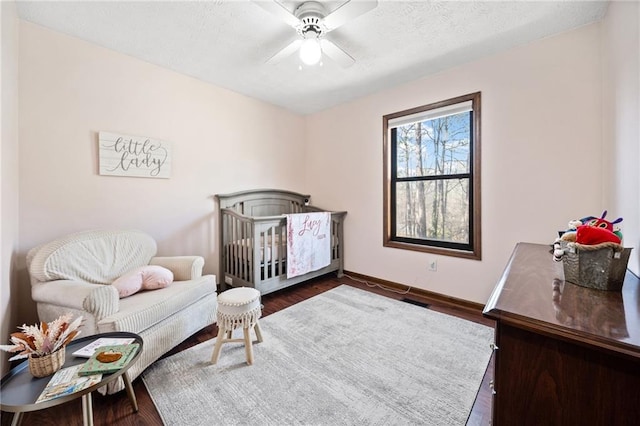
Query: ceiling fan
(312, 22)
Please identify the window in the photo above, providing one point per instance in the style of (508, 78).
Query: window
(432, 178)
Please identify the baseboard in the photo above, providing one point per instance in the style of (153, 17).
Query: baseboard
(424, 296)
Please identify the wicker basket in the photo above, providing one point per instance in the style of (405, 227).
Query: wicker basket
(48, 364)
(601, 266)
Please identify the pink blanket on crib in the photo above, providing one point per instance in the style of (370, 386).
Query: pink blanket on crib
(308, 242)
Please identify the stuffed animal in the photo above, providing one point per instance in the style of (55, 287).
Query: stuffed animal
(598, 230)
(570, 235)
(589, 230)
(591, 235)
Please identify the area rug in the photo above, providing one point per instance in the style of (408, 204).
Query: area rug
(344, 357)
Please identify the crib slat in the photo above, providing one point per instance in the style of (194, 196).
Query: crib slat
(230, 258)
(241, 247)
(334, 240)
(238, 247)
(248, 272)
(245, 247)
(263, 253)
(234, 233)
(272, 252)
(283, 249)
(338, 239)
(240, 237)
(229, 240)
(225, 244)
(229, 235)
(258, 256)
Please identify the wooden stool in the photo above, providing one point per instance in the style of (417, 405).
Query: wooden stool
(238, 307)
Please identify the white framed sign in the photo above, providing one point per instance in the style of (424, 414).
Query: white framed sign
(137, 156)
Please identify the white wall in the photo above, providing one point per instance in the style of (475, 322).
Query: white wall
(541, 166)
(222, 142)
(8, 172)
(621, 118)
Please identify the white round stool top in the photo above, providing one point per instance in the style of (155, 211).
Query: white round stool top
(239, 296)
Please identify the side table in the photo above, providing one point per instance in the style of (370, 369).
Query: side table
(20, 389)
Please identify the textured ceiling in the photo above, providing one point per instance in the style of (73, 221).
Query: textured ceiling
(226, 42)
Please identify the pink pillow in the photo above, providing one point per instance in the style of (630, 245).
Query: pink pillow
(128, 284)
(148, 277)
(154, 277)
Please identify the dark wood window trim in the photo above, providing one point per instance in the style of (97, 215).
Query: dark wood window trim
(432, 246)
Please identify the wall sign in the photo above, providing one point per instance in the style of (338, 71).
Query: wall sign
(124, 155)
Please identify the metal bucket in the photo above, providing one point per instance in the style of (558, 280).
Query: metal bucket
(602, 266)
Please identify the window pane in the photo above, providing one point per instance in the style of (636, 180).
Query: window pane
(434, 147)
(434, 210)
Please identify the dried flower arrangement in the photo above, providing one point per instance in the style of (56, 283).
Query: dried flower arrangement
(43, 339)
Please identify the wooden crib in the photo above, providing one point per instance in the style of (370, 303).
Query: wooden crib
(253, 232)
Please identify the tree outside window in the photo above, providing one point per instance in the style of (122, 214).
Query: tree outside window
(432, 178)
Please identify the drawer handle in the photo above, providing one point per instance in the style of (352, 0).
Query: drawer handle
(494, 347)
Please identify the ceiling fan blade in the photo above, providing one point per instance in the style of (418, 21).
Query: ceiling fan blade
(276, 8)
(336, 54)
(286, 51)
(347, 12)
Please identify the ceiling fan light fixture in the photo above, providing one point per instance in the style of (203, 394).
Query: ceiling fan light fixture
(310, 50)
(312, 21)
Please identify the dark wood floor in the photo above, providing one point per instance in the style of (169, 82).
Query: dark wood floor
(116, 409)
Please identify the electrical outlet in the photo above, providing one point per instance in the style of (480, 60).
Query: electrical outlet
(433, 265)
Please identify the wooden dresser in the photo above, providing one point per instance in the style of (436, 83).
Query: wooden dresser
(564, 354)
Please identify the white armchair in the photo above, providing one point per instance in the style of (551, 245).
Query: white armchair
(74, 274)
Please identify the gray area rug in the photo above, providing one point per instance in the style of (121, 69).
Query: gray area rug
(344, 357)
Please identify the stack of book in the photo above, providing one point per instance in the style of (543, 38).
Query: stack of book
(69, 380)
